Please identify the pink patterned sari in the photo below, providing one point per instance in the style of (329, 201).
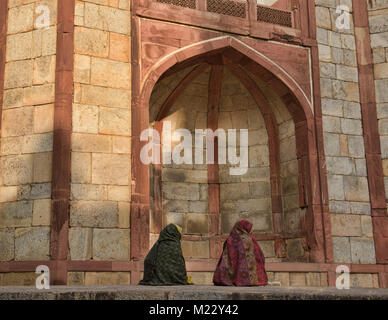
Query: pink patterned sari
(242, 261)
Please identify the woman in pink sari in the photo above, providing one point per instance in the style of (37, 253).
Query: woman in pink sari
(242, 261)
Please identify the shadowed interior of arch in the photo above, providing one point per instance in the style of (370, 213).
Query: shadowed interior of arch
(225, 89)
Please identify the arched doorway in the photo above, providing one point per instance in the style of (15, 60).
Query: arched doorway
(223, 83)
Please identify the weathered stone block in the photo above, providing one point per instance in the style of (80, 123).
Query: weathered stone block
(106, 18)
(100, 214)
(75, 278)
(197, 223)
(91, 143)
(85, 118)
(49, 41)
(201, 278)
(341, 250)
(18, 74)
(295, 249)
(81, 167)
(38, 143)
(356, 189)
(44, 118)
(195, 249)
(366, 226)
(107, 278)
(340, 165)
(117, 165)
(119, 47)
(17, 122)
(347, 73)
(336, 187)
(381, 70)
(198, 207)
(323, 17)
(8, 194)
(351, 126)
(41, 212)
(361, 280)
(91, 42)
(360, 208)
(88, 192)
(42, 167)
(268, 248)
(7, 248)
(124, 214)
(17, 170)
(82, 68)
(332, 107)
(352, 110)
(19, 279)
(119, 193)
(108, 73)
(363, 250)
(297, 279)
(180, 191)
(381, 90)
(40, 94)
(331, 124)
(16, 214)
(32, 243)
(332, 145)
(21, 18)
(292, 220)
(108, 97)
(234, 191)
(182, 175)
(121, 145)
(111, 244)
(80, 243)
(339, 207)
(19, 46)
(345, 225)
(44, 70)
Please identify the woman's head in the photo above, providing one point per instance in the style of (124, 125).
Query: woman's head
(244, 225)
(170, 232)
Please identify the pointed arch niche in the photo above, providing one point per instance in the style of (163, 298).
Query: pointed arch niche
(225, 83)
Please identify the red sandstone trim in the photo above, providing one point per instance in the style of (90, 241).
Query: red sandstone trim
(214, 96)
(3, 41)
(140, 174)
(321, 161)
(62, 140)
(371, 134)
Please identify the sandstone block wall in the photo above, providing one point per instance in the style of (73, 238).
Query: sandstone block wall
(27, 133)
(378, 25)
(100, 168)
(343, 136)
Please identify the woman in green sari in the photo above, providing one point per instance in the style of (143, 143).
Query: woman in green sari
(165, 264)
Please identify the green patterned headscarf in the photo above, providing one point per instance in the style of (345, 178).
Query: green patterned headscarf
(164, 264)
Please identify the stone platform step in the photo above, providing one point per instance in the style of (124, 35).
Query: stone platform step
(131, 292)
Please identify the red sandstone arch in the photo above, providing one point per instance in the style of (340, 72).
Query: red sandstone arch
(242, 55)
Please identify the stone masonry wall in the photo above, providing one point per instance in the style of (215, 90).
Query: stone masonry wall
(100, 174)
(378, 25)
(344, 144)
(27, 133)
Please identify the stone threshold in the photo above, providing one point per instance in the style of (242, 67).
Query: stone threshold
(195, 292)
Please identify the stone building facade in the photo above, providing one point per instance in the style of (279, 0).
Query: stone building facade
(80, 81)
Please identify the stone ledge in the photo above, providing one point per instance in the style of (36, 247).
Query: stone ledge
(131, 292)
